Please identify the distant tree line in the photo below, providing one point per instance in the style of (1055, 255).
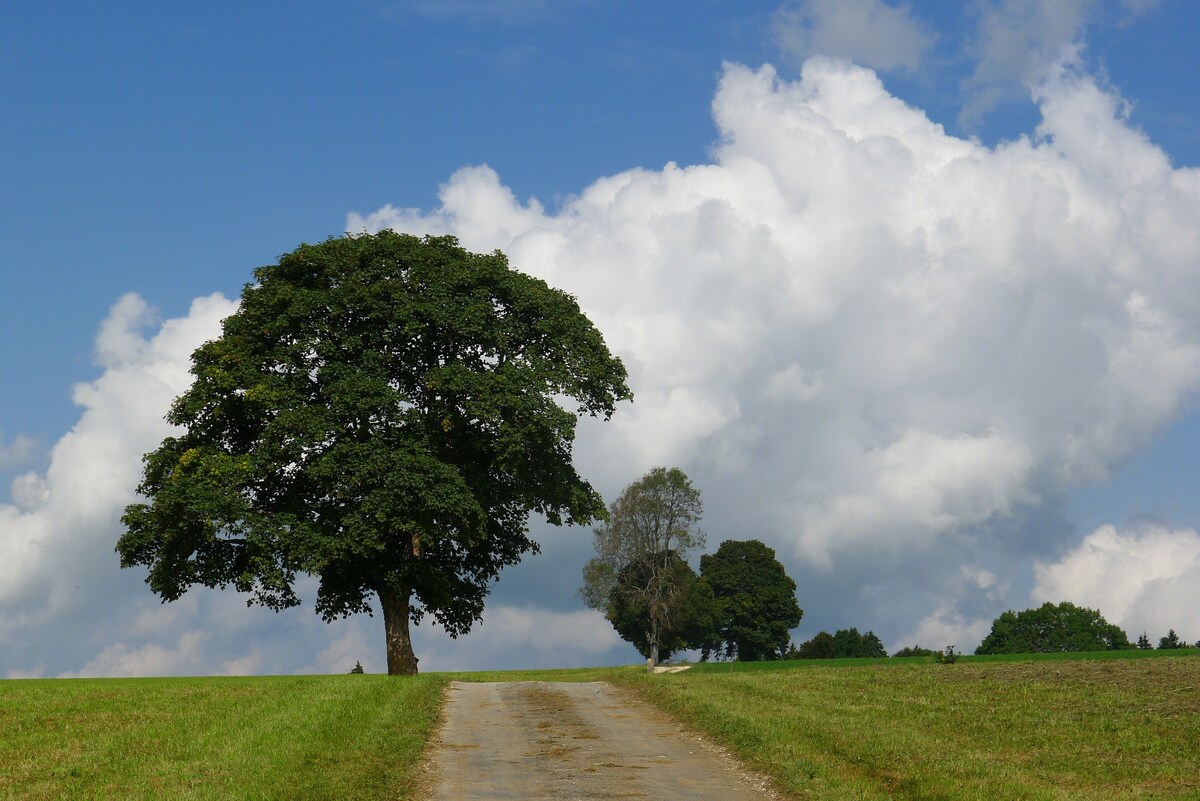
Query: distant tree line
(1063, 627)
(742, 604)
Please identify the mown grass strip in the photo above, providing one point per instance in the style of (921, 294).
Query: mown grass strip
(264, 738)
(1030, 729)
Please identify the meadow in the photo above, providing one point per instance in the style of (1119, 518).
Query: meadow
(306, 737)
(984, 728)
(995, 728)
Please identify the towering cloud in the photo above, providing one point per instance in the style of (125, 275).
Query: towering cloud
(1146, 579)
(872, 339)
(886, 351)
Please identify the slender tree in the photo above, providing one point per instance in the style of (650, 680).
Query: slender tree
(380, 413)
(651, 525)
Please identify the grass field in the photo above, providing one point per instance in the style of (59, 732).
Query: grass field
(1012, 728)
(315, 737)
(995, 729)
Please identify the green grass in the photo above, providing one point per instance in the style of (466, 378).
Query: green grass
(1118, 725)
(786, 665)
(305, 737)
(1020, 728)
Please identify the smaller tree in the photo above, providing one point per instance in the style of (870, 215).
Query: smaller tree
(756, 598)
(651, 526)
(1143, 642)
(1052, 628)
(1170, 642)
(690, 624)
(849, 644)
(819, 647)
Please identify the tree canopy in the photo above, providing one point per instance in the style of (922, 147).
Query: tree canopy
(756, 601)
(690, 624)
(1171, 641)
(843, 644)
(651, 526)
(1052, 628)
(380, 413)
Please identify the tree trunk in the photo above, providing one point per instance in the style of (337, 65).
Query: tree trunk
(401, 660)
(653, 642)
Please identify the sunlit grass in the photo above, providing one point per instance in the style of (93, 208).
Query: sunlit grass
(908, 729)
(314, 737)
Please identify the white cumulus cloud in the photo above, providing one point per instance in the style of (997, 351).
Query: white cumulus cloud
(904, 336)
(1145, 578)
(57, 539)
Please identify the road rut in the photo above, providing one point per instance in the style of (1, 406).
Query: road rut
(544, 740)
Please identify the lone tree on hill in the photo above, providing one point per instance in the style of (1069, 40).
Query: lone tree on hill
(756, 600)
(1053, 628)
(379, 413)
(651, 526)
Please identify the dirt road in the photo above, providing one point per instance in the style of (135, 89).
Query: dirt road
(540, 740)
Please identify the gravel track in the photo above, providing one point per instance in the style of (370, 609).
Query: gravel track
(547, 740)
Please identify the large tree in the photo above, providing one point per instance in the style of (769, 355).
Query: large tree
(381, 413)
(757, 601)
(1052, 628)
(650, 525)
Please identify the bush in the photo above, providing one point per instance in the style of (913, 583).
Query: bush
(914, 650)
(947, 657)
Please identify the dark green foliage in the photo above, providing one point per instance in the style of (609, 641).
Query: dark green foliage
(914, 650)
(650, 529)
(688, 622)
(1171, 641)
(757, 601)
(1144, 642)
(844, 644)
(819, 647)
(357, 669)
(380, 413)
(848, 643)
(1052, 628)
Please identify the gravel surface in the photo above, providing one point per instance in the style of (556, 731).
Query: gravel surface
(544, 740)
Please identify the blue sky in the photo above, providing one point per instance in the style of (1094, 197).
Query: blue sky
(166, 150)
